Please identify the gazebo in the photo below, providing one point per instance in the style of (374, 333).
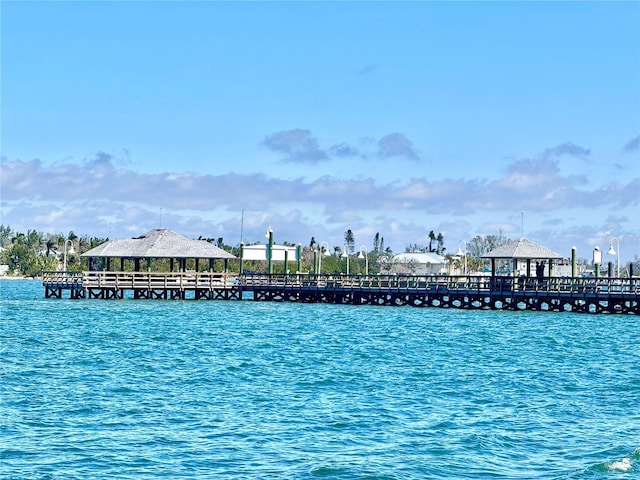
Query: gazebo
(156, 244)
(522, 249)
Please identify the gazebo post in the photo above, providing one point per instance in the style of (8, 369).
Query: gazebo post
(315, 261)
(286, 261)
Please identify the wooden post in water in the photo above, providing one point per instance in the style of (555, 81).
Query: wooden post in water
(270, 251)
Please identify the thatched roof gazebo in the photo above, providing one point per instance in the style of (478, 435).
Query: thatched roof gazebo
(522, 249)
(156, 244)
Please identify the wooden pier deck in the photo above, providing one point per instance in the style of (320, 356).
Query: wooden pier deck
(560, 294)
(142, 285)
(587, 295)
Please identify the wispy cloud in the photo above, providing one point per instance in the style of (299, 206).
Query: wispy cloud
(367, 69)
(397, 145)
(100, 198)
(632, 145)
(534, 184)
(297, 146)
(568, 148)
(343, 150)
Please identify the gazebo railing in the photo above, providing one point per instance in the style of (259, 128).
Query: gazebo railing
(158, 280)
(140, 280)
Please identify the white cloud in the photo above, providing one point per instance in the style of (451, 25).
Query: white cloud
(100, 199)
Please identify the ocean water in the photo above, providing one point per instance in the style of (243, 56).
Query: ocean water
(138, 389)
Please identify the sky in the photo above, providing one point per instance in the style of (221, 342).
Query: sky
(220, 119)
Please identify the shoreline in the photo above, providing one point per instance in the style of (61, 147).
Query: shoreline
(14, 277)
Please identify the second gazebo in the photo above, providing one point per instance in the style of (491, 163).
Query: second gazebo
(522, 249)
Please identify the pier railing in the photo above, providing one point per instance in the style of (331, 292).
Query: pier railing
(140, 280)
(450, 283)
(66, 280)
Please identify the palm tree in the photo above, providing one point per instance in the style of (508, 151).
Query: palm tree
(441, 248)
(349, 241)
(52, 247)
(432, 238)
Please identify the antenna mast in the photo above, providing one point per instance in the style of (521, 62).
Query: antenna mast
(241, 226)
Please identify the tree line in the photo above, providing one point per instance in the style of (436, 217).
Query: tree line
(33, 252)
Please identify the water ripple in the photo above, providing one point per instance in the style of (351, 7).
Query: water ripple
(136, 389)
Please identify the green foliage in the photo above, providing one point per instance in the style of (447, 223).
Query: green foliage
(478, 246)
(32, 252)
(5, 235)
(415, 248)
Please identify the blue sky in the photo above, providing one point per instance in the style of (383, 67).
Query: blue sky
(318, 117)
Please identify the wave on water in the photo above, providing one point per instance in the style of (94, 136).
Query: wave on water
(626, 464)
(623, 465)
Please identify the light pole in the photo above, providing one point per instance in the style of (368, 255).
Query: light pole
(460, 253)
(325, 254)
(366, 259)
(345, 254)
(616, 253)
(71, 252)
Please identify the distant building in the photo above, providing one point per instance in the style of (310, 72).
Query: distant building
(418, 264)
(259, 252)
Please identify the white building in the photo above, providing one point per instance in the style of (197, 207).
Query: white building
(418, 264)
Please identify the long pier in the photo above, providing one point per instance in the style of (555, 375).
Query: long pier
(559, 294)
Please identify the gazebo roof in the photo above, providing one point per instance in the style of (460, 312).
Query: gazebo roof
(157, 243)
(522, 248)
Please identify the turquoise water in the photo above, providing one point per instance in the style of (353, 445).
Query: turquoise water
(184, 389)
